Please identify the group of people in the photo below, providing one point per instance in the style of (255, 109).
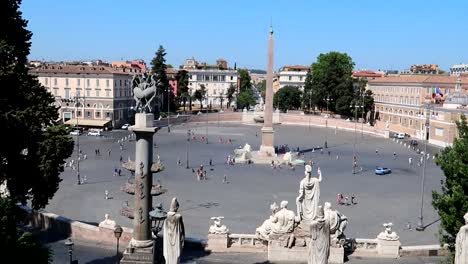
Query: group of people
(200, 173)
(346, 200)
(230, 160)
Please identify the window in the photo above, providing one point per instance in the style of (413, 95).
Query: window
(120, 82)
(97, 93)
(78, 93)
(215, 78)
(55, 81)
(78, 113)
(66, 82)
(107, 93)
(107, 114)
(78, 82)
(67, 93)
(107, 83)
(88, 114)
(56, 91)
(289, 77)
(88, 93)
(439, 131)
(98, 114)
(97, 82)
(232, 77)
(46, 81)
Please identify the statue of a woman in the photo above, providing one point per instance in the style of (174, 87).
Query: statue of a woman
(174, 234)
(461, 245)
(309, 195)
(319, 244)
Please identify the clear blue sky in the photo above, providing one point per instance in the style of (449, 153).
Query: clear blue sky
(377, 34)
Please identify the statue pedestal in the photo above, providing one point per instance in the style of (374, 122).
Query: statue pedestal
(217, 242)
(336, 255)
(388, 248)
(278, 252)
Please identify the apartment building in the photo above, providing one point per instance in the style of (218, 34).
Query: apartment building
(90, 96)
(293, 75)
(404, 103)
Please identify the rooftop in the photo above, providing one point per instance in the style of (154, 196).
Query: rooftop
(423, 79)
(82, 69)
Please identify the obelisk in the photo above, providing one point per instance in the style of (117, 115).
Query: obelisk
(267, 148)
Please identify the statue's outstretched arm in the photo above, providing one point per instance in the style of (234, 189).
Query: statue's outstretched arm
(319, 172)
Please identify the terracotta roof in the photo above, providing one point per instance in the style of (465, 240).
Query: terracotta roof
(421, 79)
(366, 74)
(296, 67)
(81, 69)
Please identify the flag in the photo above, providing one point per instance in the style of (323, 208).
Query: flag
(439, 92)
(433, 93)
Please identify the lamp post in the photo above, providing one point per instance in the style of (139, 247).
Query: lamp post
(168, 122)
(206, 132)
(356, 106)
(118, 233)
(328, 99)
(69, 244)
(187, 149)
(158, 215)
(420, 226)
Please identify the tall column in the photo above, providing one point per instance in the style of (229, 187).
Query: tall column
(144, 132)
(267, 147)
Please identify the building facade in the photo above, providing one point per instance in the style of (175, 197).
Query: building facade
(91, 96)
(459, 69)
(408, 103)
(293, 75)
(216, 78)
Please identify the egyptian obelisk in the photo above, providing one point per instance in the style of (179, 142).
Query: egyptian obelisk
(267, 148)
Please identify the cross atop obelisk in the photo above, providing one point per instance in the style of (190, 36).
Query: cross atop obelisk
(267, 147)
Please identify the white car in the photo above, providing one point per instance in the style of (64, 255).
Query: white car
(95, 133)
(401, 136)
(75, 133)
(126, 126)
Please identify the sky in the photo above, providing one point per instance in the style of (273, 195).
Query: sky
(377, 34)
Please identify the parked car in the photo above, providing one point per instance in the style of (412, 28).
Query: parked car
(382, 170)
(413, 142)
(94, 132)
(401, 135)
(75, 132)
(126, 126)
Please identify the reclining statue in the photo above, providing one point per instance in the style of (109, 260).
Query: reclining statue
(243, 154)
(338, 223)
(282, 221)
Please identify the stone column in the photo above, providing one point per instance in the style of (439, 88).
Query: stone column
(267, 147)
(144, 131)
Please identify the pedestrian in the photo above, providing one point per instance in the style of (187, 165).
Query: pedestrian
(115, 172)
(256, 134)
(106, 194)
(85, 156)
(84, 179)
(73, 167)
(228, 159)
(95, 152)
(120, 172)
(225, 179)
(428, 155)
(178, 161)
(230, 141)
(272, 164)
(410, 161)
(211, 162)
(108, 152)
(353, 199)
(321, 151)
(121, 158)
(394, 155)
(337, 157)
(193, 170)
(329, 153)
(376, 152)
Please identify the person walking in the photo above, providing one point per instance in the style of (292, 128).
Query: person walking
(225, 180)
(376, 152)
(353, 199)
(108, 152)
(394, 155)
(410, 161)
(211, 162)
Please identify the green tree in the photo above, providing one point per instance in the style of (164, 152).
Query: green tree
(182, 85)
(200, 95)
(245, 81)
(32, 158)
(309, 98)
(331, 77)
(288, 97)
(362, 97)
(245, 99)
(158, 67)
(230, 94)
(263, 89)
(452, 202)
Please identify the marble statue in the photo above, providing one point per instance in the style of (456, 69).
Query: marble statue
(388, 234)
(291, 158)
(337, 221)
(319, 245)
(144, 91)
(174, 234)
(461, 243)
(243, 154)
(309, 195)
(218, 228)
(107, 223)
(282, 221)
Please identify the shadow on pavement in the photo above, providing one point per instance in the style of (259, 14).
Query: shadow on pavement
(106, 260)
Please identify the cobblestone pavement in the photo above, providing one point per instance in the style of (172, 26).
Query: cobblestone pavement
(245, 200)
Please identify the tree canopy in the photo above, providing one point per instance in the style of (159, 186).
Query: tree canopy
(245, 80)
(32, 157)
(245, 98)
(200, 95)
(452, 202)
(288, 97)
(159, 67)
(230, 94)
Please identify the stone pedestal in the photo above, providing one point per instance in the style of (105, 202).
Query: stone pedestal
(388, 248)
(267, 148)
(217, 242)
(336, 255)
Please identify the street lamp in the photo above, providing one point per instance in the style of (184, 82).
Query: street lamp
(158, 215)
(118, 233)
(420, 226)
(206, 132)
(187, 150)
(328, 99)
(69, 244)
(168, 95)
(356, 106)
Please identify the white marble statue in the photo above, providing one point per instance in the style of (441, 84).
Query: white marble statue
(309, 195)
(319, 245)
(243, 154)
(388, 234)
(174, 234)
(281, 221)
(217, 227)
(461, 243)
(337, 220)
(107, 223)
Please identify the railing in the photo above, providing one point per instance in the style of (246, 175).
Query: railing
(366, 244)
(245, 240)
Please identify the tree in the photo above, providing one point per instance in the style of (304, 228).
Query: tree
(263, 89)
(309, 99)
(221, 100)
(182, 85)
(245, 81)
(32, 158)
(362, 97)
(452, 202)
(200, 95)
(230, 94)
(158, 67)
(331, 77)
(245, 100)
(288, 97)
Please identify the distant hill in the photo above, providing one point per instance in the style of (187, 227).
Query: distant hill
(257, 71)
